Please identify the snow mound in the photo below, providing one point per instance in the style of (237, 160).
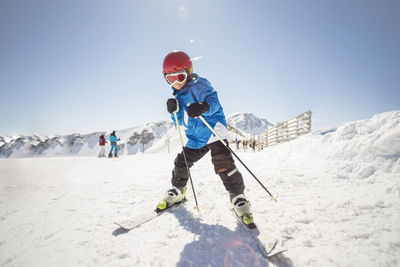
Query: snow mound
(360, 148)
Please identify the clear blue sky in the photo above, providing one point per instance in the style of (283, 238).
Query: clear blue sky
(87, 65)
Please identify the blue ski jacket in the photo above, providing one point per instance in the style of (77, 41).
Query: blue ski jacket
(198, 90)
(113, 139)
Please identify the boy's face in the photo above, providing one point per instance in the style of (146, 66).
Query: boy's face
(179, 86)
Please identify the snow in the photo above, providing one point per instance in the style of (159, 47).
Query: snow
(338, 204)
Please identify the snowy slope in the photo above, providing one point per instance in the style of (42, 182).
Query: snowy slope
(338, 205)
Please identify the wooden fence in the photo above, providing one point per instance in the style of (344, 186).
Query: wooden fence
(234, 130)
(287, 130)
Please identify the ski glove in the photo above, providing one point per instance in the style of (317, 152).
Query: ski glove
(172, 105)
(196, 109)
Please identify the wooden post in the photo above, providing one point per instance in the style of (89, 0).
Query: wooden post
(169, 145)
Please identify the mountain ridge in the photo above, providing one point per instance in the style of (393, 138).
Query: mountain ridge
(248, 123)
(151, 137)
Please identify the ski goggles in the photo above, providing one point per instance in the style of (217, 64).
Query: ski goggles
(176, 77)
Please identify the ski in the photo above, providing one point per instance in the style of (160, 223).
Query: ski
(146, 217)
(267, 249)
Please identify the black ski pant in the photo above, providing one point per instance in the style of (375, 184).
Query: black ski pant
(223, 163)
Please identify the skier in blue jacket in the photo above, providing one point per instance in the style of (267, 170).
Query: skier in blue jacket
(195, 96)
(113, 142)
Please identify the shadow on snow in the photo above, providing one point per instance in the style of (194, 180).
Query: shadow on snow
(216, 245)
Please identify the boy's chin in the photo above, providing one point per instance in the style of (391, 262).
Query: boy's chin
(178, 86)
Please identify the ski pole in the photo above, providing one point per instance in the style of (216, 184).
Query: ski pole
(226, 145)
(184, 156)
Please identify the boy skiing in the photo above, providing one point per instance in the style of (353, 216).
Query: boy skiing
(195, 96)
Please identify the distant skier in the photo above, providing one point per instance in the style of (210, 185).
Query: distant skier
(102, 144)
(195, 95)
(113, 142)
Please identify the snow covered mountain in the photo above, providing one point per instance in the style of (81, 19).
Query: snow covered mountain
(149, 137)
(248, 123)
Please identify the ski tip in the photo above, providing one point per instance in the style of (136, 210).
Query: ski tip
(120, 226)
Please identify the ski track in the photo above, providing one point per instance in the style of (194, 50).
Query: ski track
(331, 210)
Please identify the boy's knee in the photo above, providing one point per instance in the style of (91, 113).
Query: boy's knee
(222, 164)
(222, 167)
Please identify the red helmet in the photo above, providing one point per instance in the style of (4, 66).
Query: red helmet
(177, 61)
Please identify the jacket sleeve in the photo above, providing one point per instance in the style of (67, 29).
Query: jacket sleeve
(206, 93)
(212, 99)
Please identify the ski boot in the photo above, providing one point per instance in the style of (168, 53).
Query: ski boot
(242, 208)
(115, 156)
(110, 155)
(172, 197)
